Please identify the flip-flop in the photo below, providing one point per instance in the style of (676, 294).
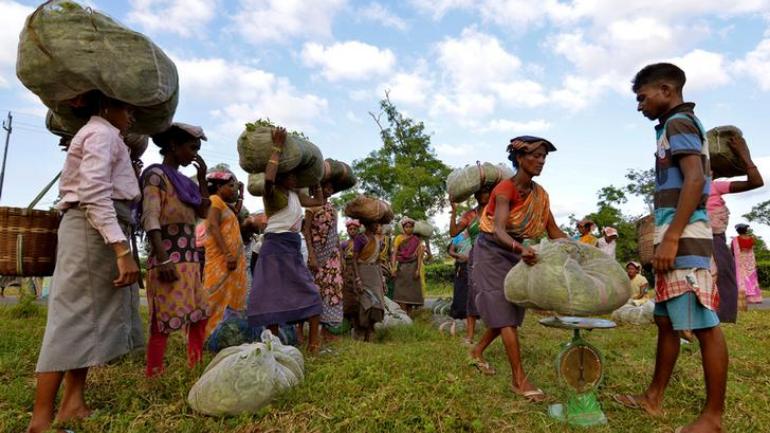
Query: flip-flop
(533, 395)
(632, 402)
(482, 366)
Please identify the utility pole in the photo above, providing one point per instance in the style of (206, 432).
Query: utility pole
(8, 126)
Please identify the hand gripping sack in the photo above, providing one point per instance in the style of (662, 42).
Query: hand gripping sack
(463, 182)
(724, 162)
(256, 185)
(66, 50)
(243, 379)
(569, 278)
(255, 145)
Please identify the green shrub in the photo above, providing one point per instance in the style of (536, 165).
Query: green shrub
(763, 269)
(439, 273)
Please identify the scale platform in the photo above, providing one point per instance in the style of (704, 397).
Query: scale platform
(580, 367)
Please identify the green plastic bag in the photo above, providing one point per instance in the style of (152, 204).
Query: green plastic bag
(569, 278)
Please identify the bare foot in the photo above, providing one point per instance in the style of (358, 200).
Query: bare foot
(38, 426)
(704, 424)
(74, 412)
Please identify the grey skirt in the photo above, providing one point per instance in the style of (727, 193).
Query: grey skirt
(90, 322)
(371, 303)
(407, 289)
(491, 264)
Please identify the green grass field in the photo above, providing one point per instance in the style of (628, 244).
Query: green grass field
(412, 379)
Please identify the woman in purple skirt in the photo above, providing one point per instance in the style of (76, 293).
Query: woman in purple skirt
(518, 209)
(283, 290)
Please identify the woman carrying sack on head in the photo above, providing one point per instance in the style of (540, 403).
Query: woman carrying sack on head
(406, 265)
(349, 290)
(469, 222)
(325, 259)
(518, 209)
(370, 287)
(224, 277)
(171, 205)
(283, 290)
(93, 305)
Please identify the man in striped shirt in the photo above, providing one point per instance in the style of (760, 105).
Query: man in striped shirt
(686, 298)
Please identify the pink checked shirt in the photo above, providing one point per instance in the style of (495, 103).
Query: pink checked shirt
(96, 171)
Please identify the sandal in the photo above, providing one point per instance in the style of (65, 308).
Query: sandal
(532, 396)
(633, 402)
(482, 366)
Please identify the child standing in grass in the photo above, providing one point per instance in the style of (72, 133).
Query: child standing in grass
(686, 298)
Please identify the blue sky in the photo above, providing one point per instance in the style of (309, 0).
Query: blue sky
(476, 72)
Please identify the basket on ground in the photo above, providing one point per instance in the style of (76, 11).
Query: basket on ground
(28, 241)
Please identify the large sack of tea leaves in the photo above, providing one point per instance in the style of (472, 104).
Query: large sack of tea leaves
(255, 145)
(339, 174)
(243, 379)
(369, 209)
(462, 183)
(631, 314)
(569, 278)
(66, 50)
(256, 185)
(394, 316)
(422, 228)
(724, 162)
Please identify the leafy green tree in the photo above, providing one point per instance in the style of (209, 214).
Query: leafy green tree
(609, 214)
(642, 184)
(760, 213)
(405, 171)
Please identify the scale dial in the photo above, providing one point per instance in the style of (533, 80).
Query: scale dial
(580, 367)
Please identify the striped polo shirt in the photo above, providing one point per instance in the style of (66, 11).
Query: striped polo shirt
(681, 133)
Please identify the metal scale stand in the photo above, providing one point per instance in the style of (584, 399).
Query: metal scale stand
(579, 366)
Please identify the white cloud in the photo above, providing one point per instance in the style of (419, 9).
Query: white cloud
(237, 93)
(408, 88)
(351, 60)
(756, 64)
(526, 93)
(260, 21)
(704, 69)
(182, 17)
(475, 60)
(11, 22)
(438, 8)
(464, 107)
(449, 150)
(379, 13)
(505, 125)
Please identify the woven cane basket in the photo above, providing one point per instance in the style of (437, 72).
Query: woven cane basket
(28, 242)
(645, 228)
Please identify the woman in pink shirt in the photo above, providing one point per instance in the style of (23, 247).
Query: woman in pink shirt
(729, 297)
(93, 302)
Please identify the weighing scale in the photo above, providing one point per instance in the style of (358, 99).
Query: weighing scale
(579, 366)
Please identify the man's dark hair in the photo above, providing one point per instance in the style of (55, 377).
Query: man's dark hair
(659, 72)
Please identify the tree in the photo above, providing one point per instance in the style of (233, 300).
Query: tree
(760, 213)
(405, 170)
(610, 198)
(642, 185)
